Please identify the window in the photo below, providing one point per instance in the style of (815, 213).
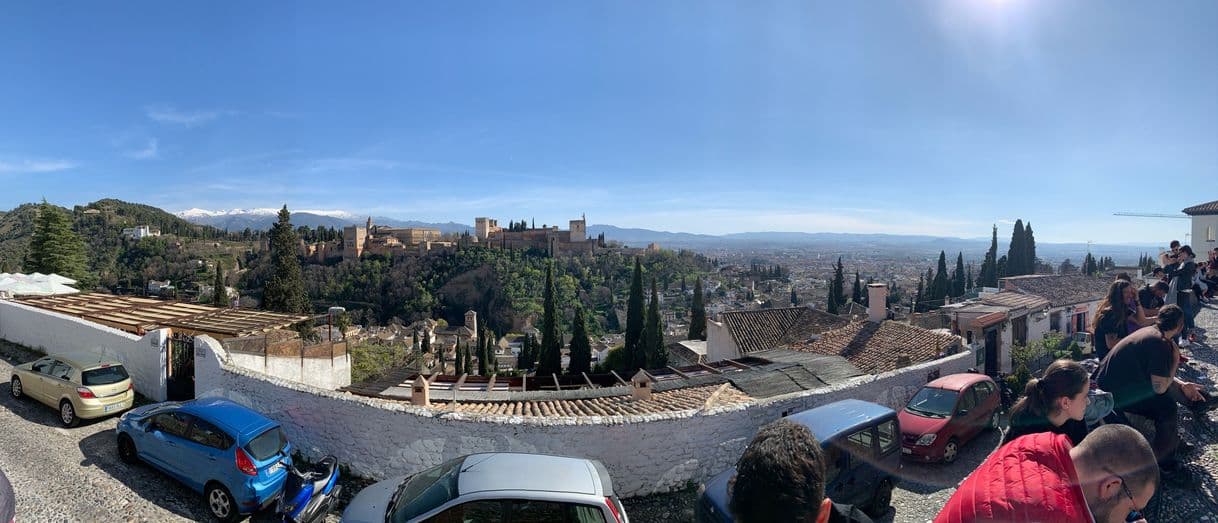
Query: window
(967, 401)
(533, 511)
(835, 463)
(174, 423)
(60, 370)
(104, 375)
(267, 444)
(42, 366)
(860, 443)
(490, 511)
(1209, 234)
(889, 438)
(209, 435)
(984, 389)
(426, 491)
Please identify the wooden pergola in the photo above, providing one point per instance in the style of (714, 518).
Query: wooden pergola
(139, 315)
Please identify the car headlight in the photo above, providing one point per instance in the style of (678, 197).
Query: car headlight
(927, 439)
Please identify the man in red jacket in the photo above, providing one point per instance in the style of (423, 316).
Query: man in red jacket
(1108, 477)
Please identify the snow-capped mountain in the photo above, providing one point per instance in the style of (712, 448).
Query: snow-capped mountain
(263, 218)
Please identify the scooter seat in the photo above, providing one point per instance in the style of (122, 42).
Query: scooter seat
(327, 467)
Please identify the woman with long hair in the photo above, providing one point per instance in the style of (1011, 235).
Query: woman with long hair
(1054, 403)
(1110, 324)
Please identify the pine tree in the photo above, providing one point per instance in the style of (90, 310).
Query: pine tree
(856, 294)
(1029, 248)
(940, 285)
(697, 316)
(653, 333)
(285, 292)
(837, 291)
(550, 361)
(581, 348)
(219, 294)
(635, 357)
(56, 249)
(1015, 251)
(612, 324)
(958, 280)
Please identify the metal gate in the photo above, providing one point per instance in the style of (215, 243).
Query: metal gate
(180, 375)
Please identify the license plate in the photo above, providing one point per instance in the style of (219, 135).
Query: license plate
(275, 467)
(112, 408)
(906, 451)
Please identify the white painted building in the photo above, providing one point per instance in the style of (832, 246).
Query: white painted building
(1205, 227)
(140, 232)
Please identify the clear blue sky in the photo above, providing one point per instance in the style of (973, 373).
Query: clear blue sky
(713, 117)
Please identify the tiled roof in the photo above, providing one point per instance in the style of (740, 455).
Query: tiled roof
(1203, 209)
(666, 401)
(757, 330)
(1015, 300)
(874, 347)
(1060, 289)
(854, 311)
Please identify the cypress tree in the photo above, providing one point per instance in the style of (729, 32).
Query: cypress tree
(285, 292)
(492, 361)
(837, 295)
(1016, 265)
(794, 297)
(1029, 248)
(612, 324)
(958, 283)
(469, 360)
(988, 276)
(482, 357)
(56, 249)
(459, 369)
(635, 357)
(917, 303)
(856, 294)
(653, 333)
(581, 348)
(968, 285)
(219, 294)
(697, 316)
(427, 342)
(550, 361)
(940, 285)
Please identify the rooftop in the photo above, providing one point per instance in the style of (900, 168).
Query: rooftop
(1202, 209)
(758, 330)
(139, 315)
(875, 347)
(1059, 289)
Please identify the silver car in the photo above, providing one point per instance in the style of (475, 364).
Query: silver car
(494, 488)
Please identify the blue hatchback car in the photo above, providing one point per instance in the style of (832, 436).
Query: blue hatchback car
(233, 455)
(862, 443)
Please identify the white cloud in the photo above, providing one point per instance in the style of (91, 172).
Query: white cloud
(34, 165)
(148, 152)
(348, 164)
(171, 115)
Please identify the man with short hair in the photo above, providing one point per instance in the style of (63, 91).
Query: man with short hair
(781, 477)
(1041, 478)
(1151, 297)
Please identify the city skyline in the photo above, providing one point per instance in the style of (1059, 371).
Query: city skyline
(935, 118)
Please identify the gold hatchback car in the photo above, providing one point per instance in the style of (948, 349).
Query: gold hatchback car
(81, 385)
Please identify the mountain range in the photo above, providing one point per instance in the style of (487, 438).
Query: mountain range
(263, 218)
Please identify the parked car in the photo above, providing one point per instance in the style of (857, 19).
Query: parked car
(234, 456)
(494, 488)
(8, 502)
(946, 413)
(81, 385)
(860, 440)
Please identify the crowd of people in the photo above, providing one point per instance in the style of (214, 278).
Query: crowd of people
(1051, 465)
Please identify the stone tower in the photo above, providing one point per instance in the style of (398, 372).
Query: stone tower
(471, 321)
(579, 230)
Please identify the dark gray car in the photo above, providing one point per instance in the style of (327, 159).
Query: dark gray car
(496, 487)
(8, 502)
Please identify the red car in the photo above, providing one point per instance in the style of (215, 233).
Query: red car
(946, 414)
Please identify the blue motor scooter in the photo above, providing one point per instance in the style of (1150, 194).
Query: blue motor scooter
(309, 495)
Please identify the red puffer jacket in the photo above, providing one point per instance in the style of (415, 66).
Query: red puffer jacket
(1030, 479)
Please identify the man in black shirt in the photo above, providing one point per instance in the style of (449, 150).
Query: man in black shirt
(1151, 297)
(1140, 371)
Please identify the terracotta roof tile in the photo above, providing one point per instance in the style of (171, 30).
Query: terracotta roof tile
(666, 401)
(1060, 289)
(1202, 209)
(874, 347)
(757, 330)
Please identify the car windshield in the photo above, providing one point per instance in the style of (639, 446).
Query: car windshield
(104, 375)
(425, 491)
(267, 444)
(933, 403)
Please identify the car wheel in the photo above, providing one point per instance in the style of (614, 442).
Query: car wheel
(126, 450)
(220, 503)
(883, 498)
(951, 451)
(67, 414)
(16, 390)
(993, 421)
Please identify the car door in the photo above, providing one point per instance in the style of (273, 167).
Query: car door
(537, 511)
(965, 417)
(987, 402)
(33, 382)
(205, 453)
(166, 436)
(56, 382)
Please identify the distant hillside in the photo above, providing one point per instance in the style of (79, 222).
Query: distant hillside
(262, 219)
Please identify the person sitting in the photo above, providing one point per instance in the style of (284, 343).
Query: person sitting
(1108, 478)
(781, 477)
(1054, 403)
(1139, 372)
(1111, 318)
(1137, 317)
(1151, 297)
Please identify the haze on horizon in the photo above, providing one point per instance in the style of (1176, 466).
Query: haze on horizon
(919, 117)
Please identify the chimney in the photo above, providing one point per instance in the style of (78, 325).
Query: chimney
(420, 392)
(877, 302)
(640, 386)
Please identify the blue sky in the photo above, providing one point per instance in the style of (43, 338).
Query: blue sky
(711, 117)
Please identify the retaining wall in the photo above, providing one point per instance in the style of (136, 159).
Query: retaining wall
(52, 332)
(644, 454)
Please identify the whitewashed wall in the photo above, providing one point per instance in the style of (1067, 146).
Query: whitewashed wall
(644, 454)
(51, 332)
(327, 373)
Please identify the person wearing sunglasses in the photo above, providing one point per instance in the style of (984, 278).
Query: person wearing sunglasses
(1108, 478)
